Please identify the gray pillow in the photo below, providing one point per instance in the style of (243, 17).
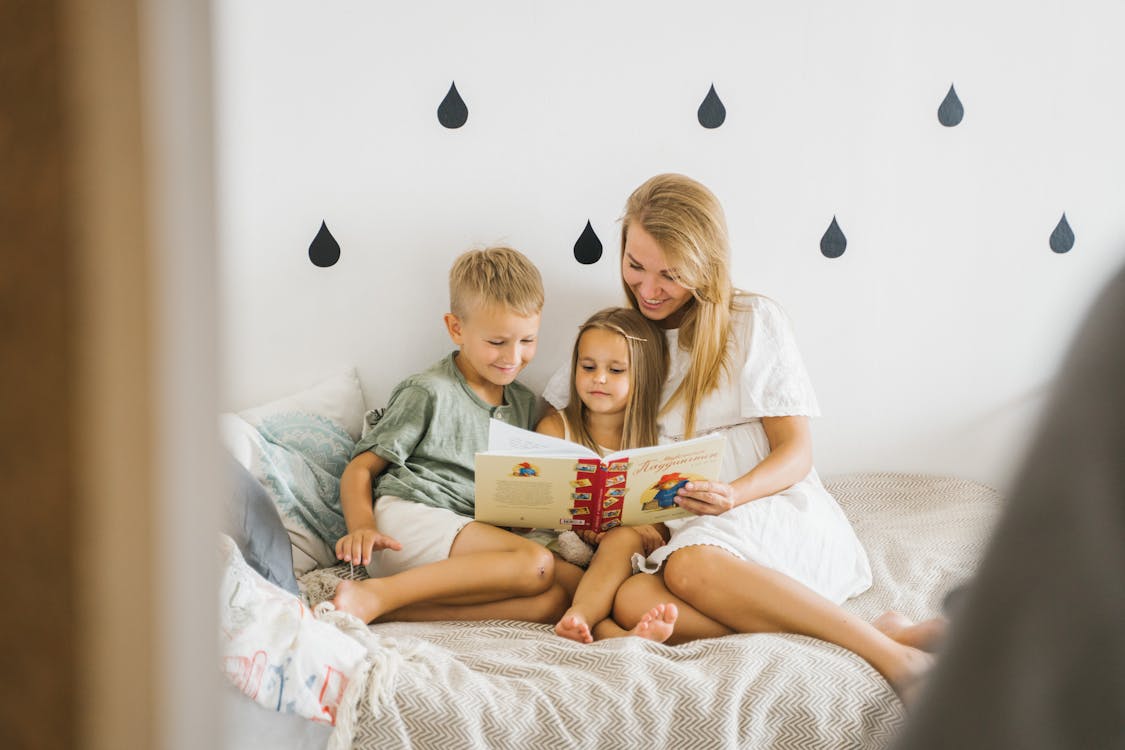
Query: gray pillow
(253, 522)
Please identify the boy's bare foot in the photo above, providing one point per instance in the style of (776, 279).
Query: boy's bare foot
(658, 623)
(573, 625)
(359, 598)
(926, 635)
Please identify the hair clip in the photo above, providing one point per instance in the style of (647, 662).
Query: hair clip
(583, 327)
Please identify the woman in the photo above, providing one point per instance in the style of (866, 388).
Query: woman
(768, 549)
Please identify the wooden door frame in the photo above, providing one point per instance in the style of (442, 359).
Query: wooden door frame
(110, 377)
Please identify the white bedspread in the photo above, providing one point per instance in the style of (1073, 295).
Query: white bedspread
(517, 685)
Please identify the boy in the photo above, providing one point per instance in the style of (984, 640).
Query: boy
(430, 559)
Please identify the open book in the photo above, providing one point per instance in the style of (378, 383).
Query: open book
(530, 480)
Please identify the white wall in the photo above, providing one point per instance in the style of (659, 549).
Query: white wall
(929, 341)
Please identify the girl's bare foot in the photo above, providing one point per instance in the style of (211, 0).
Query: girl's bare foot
(573, 625)
(926, 635)
(359, 598)
(658, 623)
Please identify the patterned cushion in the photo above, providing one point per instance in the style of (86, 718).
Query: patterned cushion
(297, 448)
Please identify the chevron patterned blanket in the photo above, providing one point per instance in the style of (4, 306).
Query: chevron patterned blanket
(515, 685)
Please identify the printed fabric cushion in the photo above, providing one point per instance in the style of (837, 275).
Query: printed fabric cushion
(275, 651)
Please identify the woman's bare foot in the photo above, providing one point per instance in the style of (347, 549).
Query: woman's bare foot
(908, 673)
(573, 625)
(359, 598)
(658, 623)
(926, 635)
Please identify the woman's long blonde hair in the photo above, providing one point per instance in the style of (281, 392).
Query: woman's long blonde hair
(648, 366)
(688, 224)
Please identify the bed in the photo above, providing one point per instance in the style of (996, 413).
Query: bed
(508, 684)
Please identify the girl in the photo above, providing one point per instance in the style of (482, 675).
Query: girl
(617, 369)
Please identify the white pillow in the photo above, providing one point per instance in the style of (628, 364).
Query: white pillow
(339, 398)
(297, 447)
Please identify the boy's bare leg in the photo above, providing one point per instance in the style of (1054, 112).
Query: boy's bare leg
(485, 564)
(593, 599)
(545, 608)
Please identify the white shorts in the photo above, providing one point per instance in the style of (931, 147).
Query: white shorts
(425, 533)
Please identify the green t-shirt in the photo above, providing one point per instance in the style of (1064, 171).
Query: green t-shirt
(433, 426)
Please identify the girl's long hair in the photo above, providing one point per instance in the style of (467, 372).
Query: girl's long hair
(648, 366)
(686, 220)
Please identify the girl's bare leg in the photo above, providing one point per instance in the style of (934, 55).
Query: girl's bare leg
(643, 593)
(593, 599)
(658, 624)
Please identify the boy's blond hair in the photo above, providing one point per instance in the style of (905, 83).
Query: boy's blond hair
(495, 276)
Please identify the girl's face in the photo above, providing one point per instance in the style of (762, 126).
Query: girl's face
(645, 270)
(601, 373)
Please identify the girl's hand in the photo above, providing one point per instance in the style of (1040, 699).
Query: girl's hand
(706, 498)
(355, 547)
(590, 537)
(651, 538)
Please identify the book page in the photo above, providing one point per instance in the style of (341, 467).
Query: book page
(525, 490)
(654, 474)
(504, 438)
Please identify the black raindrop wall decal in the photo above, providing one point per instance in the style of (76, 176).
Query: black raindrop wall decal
(1062, 239)
(588, 248)
(833, 243)
(452, 112)
(712, 113)
(324, 250)
(950, 112)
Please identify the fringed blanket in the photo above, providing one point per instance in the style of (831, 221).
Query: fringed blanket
(514, 685)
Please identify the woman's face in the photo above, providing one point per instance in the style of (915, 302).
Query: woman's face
(645, 270)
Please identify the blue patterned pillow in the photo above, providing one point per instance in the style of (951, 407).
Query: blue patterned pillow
(304, 456)
(297, 448)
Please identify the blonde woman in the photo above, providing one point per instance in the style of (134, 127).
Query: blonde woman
(768, 549)
(617, 371)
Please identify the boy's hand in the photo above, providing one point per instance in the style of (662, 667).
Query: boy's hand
(355, 547)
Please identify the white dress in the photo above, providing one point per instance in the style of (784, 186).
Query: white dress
(800, 532)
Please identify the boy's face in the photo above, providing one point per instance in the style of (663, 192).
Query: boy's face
(496, 344)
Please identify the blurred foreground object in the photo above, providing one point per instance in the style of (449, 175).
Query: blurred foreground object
(1036, 654)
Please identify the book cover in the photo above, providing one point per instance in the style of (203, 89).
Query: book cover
(530, 480)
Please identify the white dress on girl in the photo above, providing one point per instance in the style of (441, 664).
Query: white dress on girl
(800, 532)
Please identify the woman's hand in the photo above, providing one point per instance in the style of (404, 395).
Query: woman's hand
(355, 547)
(706, 498)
